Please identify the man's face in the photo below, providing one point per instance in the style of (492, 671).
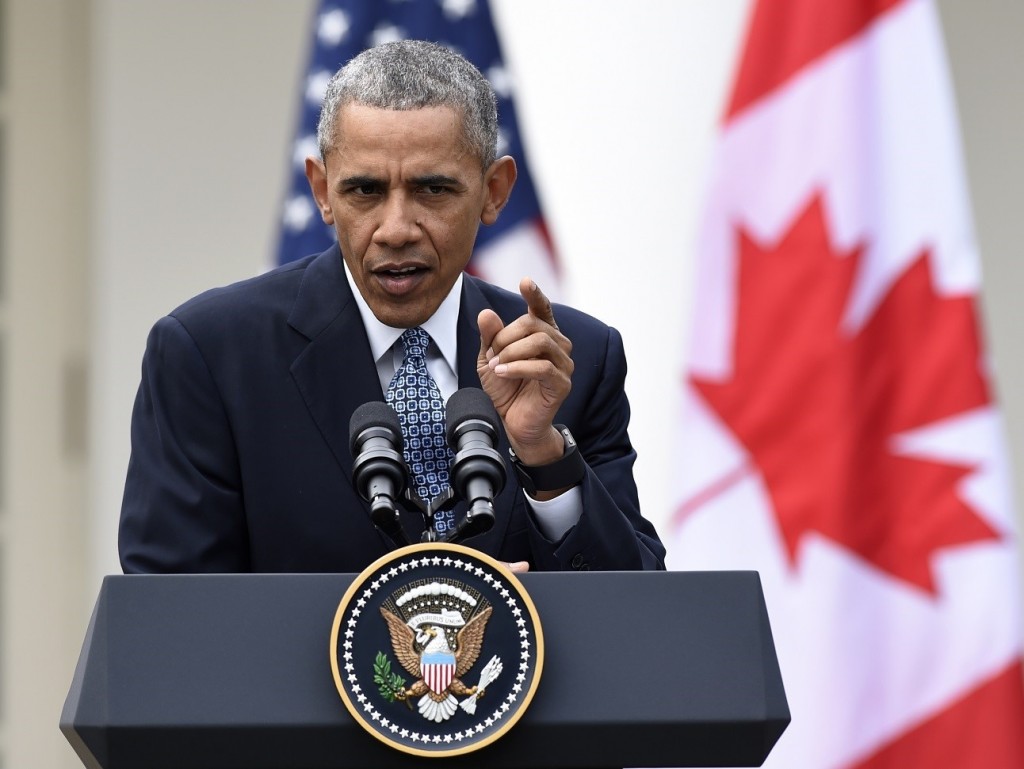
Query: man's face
(406, 197)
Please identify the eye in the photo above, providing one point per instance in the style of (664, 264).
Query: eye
(361, 186)
(436, 185)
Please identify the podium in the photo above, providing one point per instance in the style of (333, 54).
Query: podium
(232, 672)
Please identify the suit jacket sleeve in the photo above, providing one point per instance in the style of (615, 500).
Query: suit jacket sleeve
(182, 509)
(611, 534)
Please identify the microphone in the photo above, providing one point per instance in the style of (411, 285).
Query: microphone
(379, 471)
(478, 471)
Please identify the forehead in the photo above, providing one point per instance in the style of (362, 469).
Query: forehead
(372, 135)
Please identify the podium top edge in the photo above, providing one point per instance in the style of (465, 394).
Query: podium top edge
(527, 575)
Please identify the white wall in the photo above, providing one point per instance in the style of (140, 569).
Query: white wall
(983, 40)
(195, 101)
(43, 336)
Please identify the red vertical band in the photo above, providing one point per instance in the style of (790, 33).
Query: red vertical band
(787, 35)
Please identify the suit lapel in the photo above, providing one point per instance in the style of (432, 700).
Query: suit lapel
(335, 373)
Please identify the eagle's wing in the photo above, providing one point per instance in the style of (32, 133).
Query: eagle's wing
(402, 640)
(469, 641)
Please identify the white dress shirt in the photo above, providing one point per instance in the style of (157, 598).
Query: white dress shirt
(554, 517)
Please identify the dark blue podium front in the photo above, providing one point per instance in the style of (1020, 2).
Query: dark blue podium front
(233, 671)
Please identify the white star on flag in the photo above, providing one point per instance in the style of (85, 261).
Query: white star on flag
(458, 9)
(332, 27)
(298, 211)
(316, 86)
(503, 142)
(501, 80)
(305, 147)
(386, 33)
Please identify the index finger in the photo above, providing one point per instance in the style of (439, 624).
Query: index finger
(537, 303)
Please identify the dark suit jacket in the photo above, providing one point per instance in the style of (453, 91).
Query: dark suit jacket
(240, 453)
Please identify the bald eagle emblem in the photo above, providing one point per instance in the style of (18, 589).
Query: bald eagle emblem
(437, 631)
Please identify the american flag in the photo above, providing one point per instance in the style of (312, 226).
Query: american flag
(518, 243)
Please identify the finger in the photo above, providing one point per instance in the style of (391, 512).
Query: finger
(539, 305)
(518, 567)
(539, 346)
(490, 325)
(552, 380)
(527, 327)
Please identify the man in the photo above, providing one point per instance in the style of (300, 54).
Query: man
(240, 456)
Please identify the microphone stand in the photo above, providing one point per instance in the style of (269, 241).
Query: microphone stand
(473, 523)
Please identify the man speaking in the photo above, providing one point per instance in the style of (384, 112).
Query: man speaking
(240, 448)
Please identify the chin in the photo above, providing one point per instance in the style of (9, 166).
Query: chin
(401, 318)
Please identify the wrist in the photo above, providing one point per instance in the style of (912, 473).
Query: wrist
(542, 451)
(549, 479)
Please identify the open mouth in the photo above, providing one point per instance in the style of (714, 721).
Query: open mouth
(401, 273)
(400, 280)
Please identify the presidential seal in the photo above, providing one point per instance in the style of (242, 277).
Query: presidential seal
(436, 649)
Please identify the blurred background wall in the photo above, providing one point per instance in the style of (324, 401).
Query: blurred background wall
(144, 151)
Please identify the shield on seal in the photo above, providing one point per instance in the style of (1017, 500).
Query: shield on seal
(437, 669)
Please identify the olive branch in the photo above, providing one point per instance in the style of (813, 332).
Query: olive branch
(389, 684)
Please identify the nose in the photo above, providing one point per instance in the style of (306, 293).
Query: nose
(398, 225)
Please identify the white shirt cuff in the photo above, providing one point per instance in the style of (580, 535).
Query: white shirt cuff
(556, 516)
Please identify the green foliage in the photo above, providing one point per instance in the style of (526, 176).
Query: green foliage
(388, 683)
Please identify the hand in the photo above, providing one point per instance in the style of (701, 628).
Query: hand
(526, 369)
(518, 567)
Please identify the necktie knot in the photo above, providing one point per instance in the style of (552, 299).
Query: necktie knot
(415, 341)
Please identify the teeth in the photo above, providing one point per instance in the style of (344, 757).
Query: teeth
(405, 271)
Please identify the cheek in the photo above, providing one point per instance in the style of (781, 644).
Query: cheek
(353, 233)
(454, 248)
(459, 234)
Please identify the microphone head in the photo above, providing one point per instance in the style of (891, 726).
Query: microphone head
(469, 403)
(374, 414)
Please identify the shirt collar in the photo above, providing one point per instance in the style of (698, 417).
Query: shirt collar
(442, 325)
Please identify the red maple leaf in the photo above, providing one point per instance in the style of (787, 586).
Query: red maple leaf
(818, 408)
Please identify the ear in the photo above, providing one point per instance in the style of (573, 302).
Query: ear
(498, 182)
(316, 173)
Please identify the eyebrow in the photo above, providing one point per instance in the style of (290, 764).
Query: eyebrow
(436, 180)
(359, 181)
(420, 181)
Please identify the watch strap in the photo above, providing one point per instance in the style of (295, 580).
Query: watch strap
(561, 474)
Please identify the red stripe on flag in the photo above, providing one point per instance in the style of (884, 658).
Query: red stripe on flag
(787, 35)
(545, 235)
(983, 729)
(709, 492)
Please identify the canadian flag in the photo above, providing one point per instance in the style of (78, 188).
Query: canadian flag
(838, 432)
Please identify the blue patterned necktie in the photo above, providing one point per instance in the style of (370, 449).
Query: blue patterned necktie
(414, 395)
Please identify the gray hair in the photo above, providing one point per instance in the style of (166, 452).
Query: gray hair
(411, 74)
